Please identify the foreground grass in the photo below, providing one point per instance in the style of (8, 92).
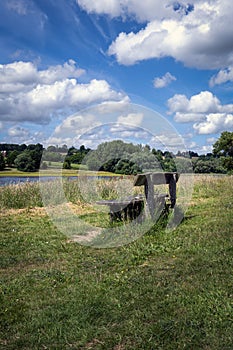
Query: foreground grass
(167, 290)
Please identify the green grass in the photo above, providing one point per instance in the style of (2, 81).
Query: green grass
(167, 290)
(54, 170)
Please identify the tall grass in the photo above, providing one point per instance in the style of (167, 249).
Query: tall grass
(22, 195)
(35, 194)
(28, 195)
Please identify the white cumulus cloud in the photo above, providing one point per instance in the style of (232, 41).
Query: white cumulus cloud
(146, 10)
(201, 37)
(131, 118)
(215, 123)
(30, 94)
(223, 76)
(110, 7)
(205, 110)
(165, 80)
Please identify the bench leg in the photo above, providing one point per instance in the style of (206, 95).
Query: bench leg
(172, 191)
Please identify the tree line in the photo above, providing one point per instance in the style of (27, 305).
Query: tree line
(120, 157)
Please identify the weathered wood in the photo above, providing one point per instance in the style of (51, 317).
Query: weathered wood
(148, 180)
(128, 209)
(149, 194)
(140, 179)
(131, 208)
(156, 178)
(172, 191)
(160, 205)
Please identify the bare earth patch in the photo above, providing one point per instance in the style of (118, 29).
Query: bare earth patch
(85, 239)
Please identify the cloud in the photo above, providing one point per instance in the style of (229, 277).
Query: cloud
(60, 72)
(30, 94)
(204, 109)
(170, 140)
(26, 14)
(18, 131)
(110, 7)
(87, 127)
(87, 130)
(21, 74)
(215, 123)
(164, 80)
(18, 6)
(75, 125)
(132, 118)
(211, 140)
(107, 107)
(201, 37)
(19, 134)
(223, 76)
(140, 10)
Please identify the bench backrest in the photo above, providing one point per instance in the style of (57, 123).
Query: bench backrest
(156, 178)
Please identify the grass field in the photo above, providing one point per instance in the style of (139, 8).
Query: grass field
(167, 290)
(54, 170)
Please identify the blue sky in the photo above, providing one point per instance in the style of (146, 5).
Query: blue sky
(60, 57)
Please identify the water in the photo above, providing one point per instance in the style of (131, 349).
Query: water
(11, 180)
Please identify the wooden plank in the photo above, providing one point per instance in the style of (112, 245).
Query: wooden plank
(140, 179)
(156, 178)
(130, 208)
(172, 191)
(160, 178)
(149, 193)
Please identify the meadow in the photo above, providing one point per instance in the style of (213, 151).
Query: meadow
(166, 290)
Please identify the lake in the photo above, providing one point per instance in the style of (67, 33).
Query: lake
(11, 180)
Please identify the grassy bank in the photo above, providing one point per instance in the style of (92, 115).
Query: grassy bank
(167, 290)
(52, 171)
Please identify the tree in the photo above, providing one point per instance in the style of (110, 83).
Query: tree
(93, 162)
(224, 145)
(2, 162)
(29, 160)
(66, 164)
(44, 165)
(223, 148)
(51, 149)
(52, 156)
(11, 157)
(127, 167)
(25, 162)
(205, 165)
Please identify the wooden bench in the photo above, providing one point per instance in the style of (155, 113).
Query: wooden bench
(126, 209)
(148, 180)
(131, 208)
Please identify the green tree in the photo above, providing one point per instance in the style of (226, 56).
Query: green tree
(66, 164)
(127, 167)
(52, 156)
(12, 155)
(92, 161)
(25, 162)
(44, 165)
(207, 165)
(224, 145)
(2, 162)
(223, 148)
